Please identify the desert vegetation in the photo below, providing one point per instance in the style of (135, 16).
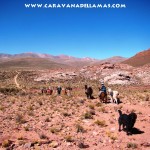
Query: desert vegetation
(32, 120)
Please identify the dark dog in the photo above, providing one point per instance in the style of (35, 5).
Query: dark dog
(127, 121)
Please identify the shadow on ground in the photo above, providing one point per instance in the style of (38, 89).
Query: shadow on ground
(136, 131)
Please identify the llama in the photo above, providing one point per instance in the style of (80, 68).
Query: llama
(113, 96)
(88, 92)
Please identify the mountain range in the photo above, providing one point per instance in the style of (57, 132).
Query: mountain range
(47, 61)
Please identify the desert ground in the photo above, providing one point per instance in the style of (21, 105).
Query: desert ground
(32, 120)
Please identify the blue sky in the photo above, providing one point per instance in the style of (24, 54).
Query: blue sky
(96, 33)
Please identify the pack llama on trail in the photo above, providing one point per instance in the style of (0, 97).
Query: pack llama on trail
(88, 92)
(114, 96)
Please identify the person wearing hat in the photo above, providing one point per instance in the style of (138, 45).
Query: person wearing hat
(102, 89)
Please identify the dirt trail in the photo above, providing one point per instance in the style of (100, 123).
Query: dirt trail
(17, 84)
(15, 79)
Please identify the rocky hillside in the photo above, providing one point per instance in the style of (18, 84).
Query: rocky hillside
(139, 59)
(112, 74)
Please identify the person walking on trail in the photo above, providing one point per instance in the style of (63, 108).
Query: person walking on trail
(59, 90)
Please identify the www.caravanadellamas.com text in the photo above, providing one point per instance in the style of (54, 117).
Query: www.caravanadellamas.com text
(75, 5)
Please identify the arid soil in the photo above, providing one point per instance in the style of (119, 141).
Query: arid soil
(32, 120)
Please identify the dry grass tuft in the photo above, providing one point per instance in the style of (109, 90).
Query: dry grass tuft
(132, 145)
(80, 128)
(87, 115)
(20, 119)
(69, 138)
(100, 123)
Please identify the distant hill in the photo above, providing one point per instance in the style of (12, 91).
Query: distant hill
(60, 58)
(112, 60)
(31, 63)
(42, 60)
(5, 55)
(37, 60)
(140, 59)
(115, 59)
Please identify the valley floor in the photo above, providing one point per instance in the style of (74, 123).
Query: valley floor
(32, 120)
(36, 121)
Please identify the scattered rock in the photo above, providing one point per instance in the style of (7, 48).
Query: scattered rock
(95, 133)
(82, 145)
(43, 142)
(100, 140)
(145, 144)
(54, 144)
(6, 143)
(120, 77)
(28, 145)
(113, 129)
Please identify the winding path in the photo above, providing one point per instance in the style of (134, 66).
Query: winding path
(15, 80)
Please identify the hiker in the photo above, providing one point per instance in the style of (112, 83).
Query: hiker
(59, 90)
(43, 90)
(49, 91)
